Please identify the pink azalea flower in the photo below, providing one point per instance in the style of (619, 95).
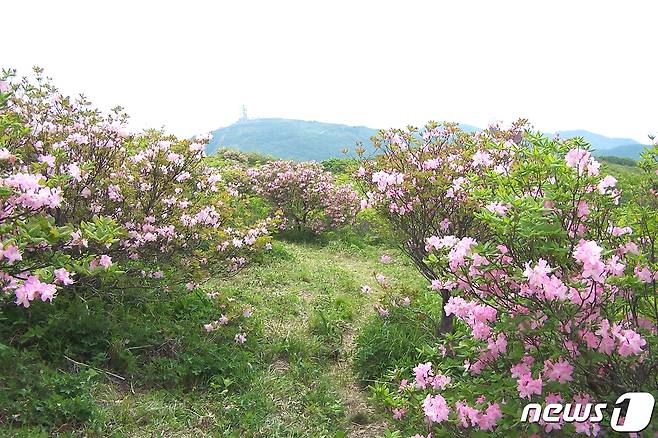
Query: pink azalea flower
(440, 381)
(578, 158)
(398, 413)
(5, 154)
(481, 158)
(582, 209)
(74, 171)
(560, 371)
(528, 386)
(607, 182)
(498, 208)
(12, 254)
(460, 251)
(487, 420)
(49, 159)
(588, 253)
(587, 428)
(105, 261)
(435, 408)
(630, 343)
(62, 276)
(538, 275)
(33, 288)
(423, 373)
(644, 274)
(467, 415)
(630, 247)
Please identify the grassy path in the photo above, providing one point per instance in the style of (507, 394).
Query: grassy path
(312, 306)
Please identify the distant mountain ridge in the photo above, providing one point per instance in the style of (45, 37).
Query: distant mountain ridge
(291, 139)
(311, 140)
(600, 142)
(607, 146)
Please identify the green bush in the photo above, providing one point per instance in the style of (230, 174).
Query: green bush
(35, 394)
(397, 341)
(153, 339)
(369, 229)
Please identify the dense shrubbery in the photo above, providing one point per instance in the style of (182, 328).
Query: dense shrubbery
(105, 240)
(82, 198)
(548, 267)
(306, 194)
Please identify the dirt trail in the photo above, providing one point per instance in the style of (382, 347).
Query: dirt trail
(363, 419)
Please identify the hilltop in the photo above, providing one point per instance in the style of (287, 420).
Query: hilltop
(291, 139)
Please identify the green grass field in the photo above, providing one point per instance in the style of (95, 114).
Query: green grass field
(308, 298)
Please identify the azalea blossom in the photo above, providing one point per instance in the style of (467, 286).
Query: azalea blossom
(63, 277)
(105, 261)
(435, 408)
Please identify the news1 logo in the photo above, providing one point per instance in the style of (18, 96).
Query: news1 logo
(637, 418)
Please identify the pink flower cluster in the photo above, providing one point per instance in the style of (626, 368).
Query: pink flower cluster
(484, 419)
(435, 408)
(425, 377)
(33, 288)
(306, 193)
(476, 315)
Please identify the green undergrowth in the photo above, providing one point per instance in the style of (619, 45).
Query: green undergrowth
(398, 341)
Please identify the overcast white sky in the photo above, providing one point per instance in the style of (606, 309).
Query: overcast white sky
(190, 66)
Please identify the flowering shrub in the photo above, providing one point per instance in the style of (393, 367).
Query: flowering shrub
(307, 195)
(554, 288)
(420, 183)
(82, 200)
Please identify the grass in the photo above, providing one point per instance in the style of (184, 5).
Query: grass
(309, 308)
(311, 303)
